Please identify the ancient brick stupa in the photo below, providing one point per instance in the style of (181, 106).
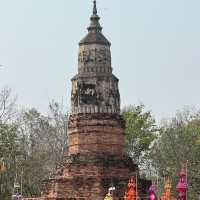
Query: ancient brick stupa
(95, 159)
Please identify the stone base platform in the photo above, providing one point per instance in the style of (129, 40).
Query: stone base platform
(88, 177)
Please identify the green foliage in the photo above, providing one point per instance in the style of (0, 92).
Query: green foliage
(31, 145)
(176, 146)
(8, 152)
(140, 132)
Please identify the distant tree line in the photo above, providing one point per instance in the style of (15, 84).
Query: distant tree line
(33, 144)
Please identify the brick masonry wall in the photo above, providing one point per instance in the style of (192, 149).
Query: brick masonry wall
(88, 176)
(96, 133)
(94, 162)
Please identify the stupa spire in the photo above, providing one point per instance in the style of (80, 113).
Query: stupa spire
(94, 20)
(95, 35)
(94, 7)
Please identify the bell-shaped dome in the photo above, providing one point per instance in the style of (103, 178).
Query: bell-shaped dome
(94, 38)
(94, 35)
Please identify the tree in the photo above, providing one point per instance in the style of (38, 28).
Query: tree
(177, 145)
(8, 153)
(140, 132)
(8, 142)
(43, 144)
(7, 106)
(58, 118)
(31, 144)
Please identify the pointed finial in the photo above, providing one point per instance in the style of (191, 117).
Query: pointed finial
(94, 19)
(94, 7)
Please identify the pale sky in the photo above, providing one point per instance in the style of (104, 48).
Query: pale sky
(155, 50)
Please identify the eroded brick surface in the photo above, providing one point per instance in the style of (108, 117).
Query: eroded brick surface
(95, 133)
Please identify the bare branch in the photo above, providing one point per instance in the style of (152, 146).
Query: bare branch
(7, 106)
